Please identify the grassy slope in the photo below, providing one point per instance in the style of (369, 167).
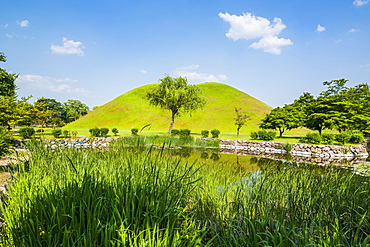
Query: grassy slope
(132, 110)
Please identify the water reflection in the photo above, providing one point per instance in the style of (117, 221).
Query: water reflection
(236, 157)
(241, 162)
(301, 159)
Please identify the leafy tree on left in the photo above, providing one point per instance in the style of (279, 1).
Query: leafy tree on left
(7, 95)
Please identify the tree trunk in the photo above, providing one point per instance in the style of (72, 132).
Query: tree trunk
(172, 121)
(237, 131)
(281, 131)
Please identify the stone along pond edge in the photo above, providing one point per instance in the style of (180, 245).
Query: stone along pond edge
(297, 149)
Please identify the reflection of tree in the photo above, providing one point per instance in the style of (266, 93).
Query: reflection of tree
(270, 166)
(253, 160)
(215, 156)
(184, 152)
(238, 168)
(204, 155)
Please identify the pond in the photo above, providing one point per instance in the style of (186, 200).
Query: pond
(241, 164)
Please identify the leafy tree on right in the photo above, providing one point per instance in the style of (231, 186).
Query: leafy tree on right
(339, 107)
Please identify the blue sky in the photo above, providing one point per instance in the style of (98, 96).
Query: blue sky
(96, 50)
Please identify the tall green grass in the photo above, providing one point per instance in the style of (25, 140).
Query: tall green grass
(109, 198)
(146, 197)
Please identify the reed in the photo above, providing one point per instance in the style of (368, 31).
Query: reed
(147, 197)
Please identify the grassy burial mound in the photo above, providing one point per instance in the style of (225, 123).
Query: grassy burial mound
(133, 110)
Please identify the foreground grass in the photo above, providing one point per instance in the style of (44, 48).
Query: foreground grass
(141, 197)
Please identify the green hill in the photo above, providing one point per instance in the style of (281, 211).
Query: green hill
(133, 110)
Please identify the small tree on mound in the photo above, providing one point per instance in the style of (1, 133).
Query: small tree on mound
(240, 120)
(175, 95)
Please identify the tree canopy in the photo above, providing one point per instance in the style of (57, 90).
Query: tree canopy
(7, 81)
(74, 109)
(282, 119)
(177, 96)
(338, 107)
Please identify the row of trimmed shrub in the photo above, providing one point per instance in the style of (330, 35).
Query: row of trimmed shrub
(354, 137)
(263, 135)
(102, 132)
(204, 133)
(215, 133)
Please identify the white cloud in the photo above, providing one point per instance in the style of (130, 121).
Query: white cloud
(320, 28)
(4, 26)
(365, 66)
(23, 23)
(359, 3)
(271, 44)
(353, 30)
(143, 71)
(10, 35)
(50, 84)
(248, 26)
(192, 75)
(68, 47)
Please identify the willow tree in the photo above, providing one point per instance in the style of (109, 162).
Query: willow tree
(177, 96)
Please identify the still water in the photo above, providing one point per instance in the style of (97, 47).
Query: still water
(251, 163)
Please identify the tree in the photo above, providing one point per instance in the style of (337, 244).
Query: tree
(7, 85)
(177, 96)
(335, 87)
(51, 111)
(7, 113)
(44, 115)
(338, 107)
(73, 110)
(240, 120)
(26, 113)
(7, 95)
(2, 57)
(283, 118)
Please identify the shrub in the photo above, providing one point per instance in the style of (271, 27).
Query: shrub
(94, 132)
(74, 134)
(40, 130)
(312, 138)
(57, 133)
(65, 133)
(263, 135)
(254, 136)
(175, 132)
(327, 138)
(287, 147)
(104, 132)
(343, 137)
(6, 141)
(27, 132)
(184, 133)
(204, 133)
(215, 133)
(266, 135)
(115, 131)
(134, 131)
(356, 137)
